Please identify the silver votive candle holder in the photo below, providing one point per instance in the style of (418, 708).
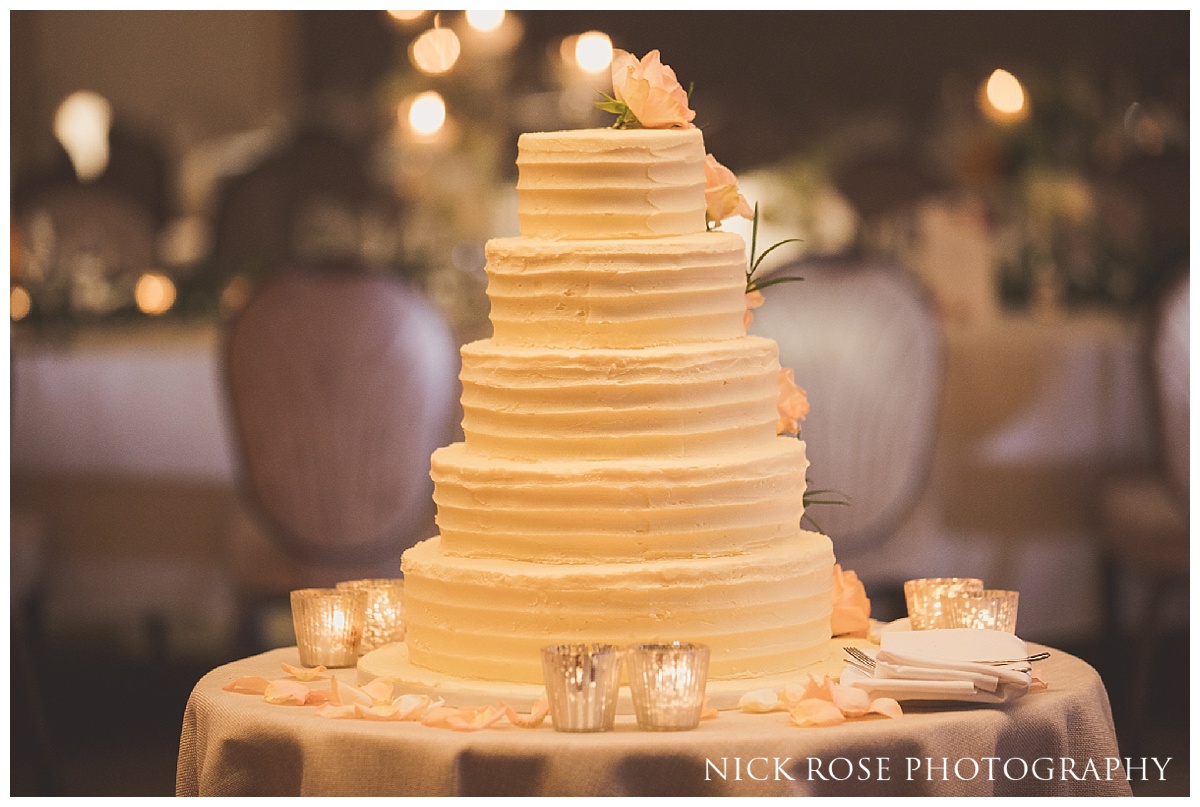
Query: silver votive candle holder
(987, 609)
(383, 622)
(927, 599)
(667, 682)
(582, 685)
(329, 625)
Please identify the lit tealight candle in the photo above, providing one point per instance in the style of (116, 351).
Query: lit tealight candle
(329, 625)
(667, 682)
(383, 620)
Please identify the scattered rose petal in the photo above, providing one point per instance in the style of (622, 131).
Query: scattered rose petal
(760, 701)
(708, 712)
(342, 694)
(816, 712)
(437, 715)
(821, 690)
(1036, 681)
(411, 706)
(286, 692)
(318, 697)
(537, 715)
(305, 673)
(852, 701)
(379, 690)
(344, 712)
(888, 707)
(248, 684)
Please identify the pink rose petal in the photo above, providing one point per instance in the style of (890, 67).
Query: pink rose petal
(305, 673)
(852, 701)
(760, 701)
(248, 684)
(708, 712)
(379, 690)
(286, 692)
(411, 706)
(816, 712)
(329, 710)
(342, 694)
(537, 716)
(888, 707)
(318, 697)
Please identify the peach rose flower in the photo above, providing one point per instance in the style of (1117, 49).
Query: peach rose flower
(721, 196)
(753, 300)
(851, 608)
(651, 91)
(792, 404)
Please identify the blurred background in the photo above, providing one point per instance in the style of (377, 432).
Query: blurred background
(1029, 170)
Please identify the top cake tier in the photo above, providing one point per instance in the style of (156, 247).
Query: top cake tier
(611, 183)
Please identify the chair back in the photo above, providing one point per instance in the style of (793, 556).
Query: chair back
(1171, 377)
(866, 345)
(341, 385)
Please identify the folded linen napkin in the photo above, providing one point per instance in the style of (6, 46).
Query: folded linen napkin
(944, 665)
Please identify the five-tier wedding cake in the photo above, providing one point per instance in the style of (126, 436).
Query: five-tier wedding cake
(621, 478)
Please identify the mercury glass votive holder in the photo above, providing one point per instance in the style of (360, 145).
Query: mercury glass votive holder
(383, 622)
(989, 609)
(582, 685)
(927, 599)
(667, 682)
(329, 625)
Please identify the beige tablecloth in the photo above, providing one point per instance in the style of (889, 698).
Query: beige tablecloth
(1055, 742)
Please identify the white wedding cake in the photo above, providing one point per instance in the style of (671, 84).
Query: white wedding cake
(621, 479)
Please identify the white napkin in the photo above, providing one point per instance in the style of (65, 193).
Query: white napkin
(942, 665)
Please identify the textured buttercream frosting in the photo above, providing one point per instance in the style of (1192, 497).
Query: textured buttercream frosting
(761, 612)
(620, 479)
(588, 183)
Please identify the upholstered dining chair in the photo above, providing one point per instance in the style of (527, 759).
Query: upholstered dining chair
(341, 383)
(865, 343)
(1144, 513)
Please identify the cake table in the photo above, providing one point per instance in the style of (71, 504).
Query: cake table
(1055, 742)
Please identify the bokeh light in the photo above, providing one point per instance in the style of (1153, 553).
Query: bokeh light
(1003, 98)
(435, 51)
(486, 20)
(154, 293)
(19, 303)
(81, 124)
(427, 113)
(593, 51)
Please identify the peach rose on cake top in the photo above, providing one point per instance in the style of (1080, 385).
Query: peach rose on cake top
(651, 92)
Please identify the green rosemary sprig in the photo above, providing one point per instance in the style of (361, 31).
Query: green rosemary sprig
(809, 501)
(752, 284)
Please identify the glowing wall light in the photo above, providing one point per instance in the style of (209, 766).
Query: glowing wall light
(81, 124)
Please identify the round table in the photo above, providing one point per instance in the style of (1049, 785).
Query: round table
(1053, 742)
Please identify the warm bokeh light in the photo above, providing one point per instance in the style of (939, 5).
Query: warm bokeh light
(435, 51)
(154, 293)
(593, 51)
(1003, 98)
(236, 294)
(427, 113)
(19, 303)
(487, 20)
(406, 16)
(81, 124)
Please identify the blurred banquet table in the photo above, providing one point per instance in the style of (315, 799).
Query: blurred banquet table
(1054, 742)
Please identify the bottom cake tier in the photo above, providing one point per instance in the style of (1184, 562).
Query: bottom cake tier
(764, 612)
